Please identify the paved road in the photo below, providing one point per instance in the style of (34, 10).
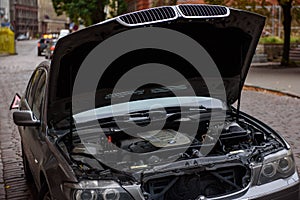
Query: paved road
(276, 78)
(14, 75)
(280, 112)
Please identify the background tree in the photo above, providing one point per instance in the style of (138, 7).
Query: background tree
(89, 11)
(117, 7)
(286, 6)
(164, 3)
(250, 5)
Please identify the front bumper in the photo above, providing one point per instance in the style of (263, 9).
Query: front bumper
(281, 189)
(289, 193)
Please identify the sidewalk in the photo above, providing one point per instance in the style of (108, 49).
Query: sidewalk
(273, 77)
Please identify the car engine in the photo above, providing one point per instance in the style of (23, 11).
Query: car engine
(226, 169)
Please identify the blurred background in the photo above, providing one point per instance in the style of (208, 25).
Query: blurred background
(36, 19)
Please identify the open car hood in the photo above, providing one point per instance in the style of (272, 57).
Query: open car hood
(230, 37)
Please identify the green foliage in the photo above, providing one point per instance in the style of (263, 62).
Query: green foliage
(117, 7)
(271, 40)
(296, 16)
(89, 11)
(277, 40)
(295, 39)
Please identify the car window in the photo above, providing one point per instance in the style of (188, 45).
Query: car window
(37, 103)
(31, 87)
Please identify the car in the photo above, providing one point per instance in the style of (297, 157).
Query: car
(93, 125)
(42, 45)
(50, 49)
(63, 33)
(22, 37)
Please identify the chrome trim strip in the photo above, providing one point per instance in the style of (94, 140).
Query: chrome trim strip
(202, 17)
(149, 22)
(177, 11)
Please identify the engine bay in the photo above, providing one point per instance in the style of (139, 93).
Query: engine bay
(229, 137)
(238, 144)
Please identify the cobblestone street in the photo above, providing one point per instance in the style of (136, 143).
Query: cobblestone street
(282, 113)
(15, 72)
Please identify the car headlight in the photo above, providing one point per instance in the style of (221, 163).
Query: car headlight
(280, 166)
(96, 190)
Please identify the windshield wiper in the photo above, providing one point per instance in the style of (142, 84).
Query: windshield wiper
(136, 118)
(195, 113)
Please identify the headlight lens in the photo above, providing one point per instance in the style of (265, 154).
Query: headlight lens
(282, 167)
(285, 164)
(85, 194)
(111, 194)
(269, 170)
(96, 190)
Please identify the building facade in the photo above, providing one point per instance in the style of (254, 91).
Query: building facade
(24, 17)
(32, 17)
(48, 20)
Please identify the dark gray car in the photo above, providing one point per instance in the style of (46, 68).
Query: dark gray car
(86, 152)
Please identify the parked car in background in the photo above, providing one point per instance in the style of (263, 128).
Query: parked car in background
(50, 49)
(22, 37)
(248, 159)
(42, 45)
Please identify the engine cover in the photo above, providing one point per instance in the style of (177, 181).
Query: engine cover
(165, 138)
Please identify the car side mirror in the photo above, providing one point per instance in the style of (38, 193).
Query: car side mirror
(25, 118)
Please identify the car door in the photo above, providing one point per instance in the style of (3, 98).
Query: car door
(33, 137)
